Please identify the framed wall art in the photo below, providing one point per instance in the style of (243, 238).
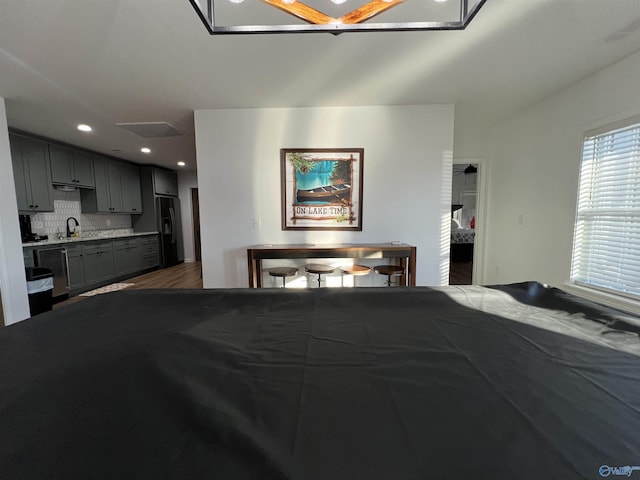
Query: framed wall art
(321, 188)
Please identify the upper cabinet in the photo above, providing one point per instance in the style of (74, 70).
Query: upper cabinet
(165, 182)
(107, 196)
(71, 167)
(32, 174)
(106, 185)
(131, 190)
(117, 188)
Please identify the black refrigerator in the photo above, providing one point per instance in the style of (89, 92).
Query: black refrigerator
(160, 213)
(170, 228)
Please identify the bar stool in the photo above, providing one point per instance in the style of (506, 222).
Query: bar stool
(319, 269)
(389, 271)
(283, 272)
(355, 270)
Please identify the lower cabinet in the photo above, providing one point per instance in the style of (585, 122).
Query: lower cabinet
(126, 256)
(149, 252)
(94, 263)
(76, 267)
(97, 262)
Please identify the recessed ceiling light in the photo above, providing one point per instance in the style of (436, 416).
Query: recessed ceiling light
(181, 164)
(145, 150)
(84, 128)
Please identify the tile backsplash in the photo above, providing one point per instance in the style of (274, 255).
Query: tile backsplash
(67, 204)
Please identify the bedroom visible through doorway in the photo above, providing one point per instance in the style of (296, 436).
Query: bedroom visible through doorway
(464, 191)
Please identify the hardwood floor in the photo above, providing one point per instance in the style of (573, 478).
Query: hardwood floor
(187, 275)
(460, 273)
(184, 275)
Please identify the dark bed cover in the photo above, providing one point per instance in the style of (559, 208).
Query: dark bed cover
(370, 383)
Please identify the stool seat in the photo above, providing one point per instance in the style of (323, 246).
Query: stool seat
(389, 271)
(319, 269)
(283, 272)
(355, 270)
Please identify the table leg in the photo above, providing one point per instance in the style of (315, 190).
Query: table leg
(258, 273)
(255, 271)
(412, 267)
(402, 281)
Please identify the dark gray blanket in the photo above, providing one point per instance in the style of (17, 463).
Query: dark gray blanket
(327, 384)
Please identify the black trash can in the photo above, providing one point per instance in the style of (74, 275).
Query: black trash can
(40, 289)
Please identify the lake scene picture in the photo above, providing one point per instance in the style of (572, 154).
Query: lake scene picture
(321, 188)
(320, 181)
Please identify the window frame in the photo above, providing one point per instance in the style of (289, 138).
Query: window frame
(605, 294)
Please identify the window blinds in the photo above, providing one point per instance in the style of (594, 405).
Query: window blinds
(606, 249)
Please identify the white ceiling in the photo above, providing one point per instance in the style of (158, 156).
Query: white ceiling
(104, 62)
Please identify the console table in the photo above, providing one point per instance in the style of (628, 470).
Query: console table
(405, 255)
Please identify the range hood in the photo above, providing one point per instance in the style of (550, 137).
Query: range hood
(65, 188)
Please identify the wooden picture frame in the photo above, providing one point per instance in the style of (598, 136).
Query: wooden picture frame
(321, 188)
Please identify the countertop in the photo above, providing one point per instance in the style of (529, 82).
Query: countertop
(84, 238)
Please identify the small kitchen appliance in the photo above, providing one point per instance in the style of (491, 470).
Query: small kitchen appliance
(26, 232)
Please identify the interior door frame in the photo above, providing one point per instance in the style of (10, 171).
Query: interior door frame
(482, 177)
(195, 215)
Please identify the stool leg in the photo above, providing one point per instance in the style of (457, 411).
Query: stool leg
(319, 275)
(388, 280)
(283, 282)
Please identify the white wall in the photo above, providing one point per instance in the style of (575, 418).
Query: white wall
(13, 283)
(535, 169)
(186, 181)
(407, 180)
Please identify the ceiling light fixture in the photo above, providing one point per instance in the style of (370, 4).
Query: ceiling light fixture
(297, 16)
(145, 150)
(181, 164)
(84, 127)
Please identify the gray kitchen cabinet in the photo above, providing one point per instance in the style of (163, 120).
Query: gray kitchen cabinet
(126, 256)
(71, 167)
(32, 174)
(149, 257)
(75, 262)
(107, 195)
(117, 188)
(165, 182)
(131, 190)
(97, 262)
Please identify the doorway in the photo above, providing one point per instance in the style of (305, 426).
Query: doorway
(195, 214)
(464, 222)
